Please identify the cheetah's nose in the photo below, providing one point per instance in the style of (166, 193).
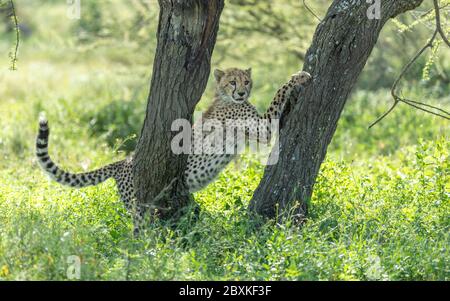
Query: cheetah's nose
(241, 93)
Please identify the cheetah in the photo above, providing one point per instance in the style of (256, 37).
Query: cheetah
(233, 87)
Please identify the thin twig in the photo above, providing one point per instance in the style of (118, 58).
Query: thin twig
(429, 106)
(438, 23)
(416, 104)
(384, 114)
(311, 11)
(410, 103)
(396, 98)
(16, 26)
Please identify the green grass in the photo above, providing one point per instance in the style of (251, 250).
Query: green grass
(387, 219)
(380, 209)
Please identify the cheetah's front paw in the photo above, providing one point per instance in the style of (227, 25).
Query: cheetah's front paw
(300, 78)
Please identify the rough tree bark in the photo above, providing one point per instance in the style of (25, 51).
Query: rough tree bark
(186, 37)
(341, 46)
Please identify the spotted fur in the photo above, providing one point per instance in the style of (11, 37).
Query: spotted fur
(233, 87)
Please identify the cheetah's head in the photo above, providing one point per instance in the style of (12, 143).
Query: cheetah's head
(233, 84)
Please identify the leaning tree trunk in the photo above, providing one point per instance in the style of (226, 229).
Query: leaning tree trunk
(186, 37)
(341, 46)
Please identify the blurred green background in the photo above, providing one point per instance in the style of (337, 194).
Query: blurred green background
(383, 194)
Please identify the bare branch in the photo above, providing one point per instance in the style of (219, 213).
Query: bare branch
(429, 106)
(397, 98)
(416, 104)
(413, 104)
(16, 26)
(311, 11)
(438, 23)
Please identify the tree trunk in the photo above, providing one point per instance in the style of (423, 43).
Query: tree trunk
(341, 46)
(186, 37)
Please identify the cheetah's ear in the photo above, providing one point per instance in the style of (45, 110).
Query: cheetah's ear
(249, 71)
(218, 74)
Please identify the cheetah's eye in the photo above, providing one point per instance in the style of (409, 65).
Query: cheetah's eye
(246, 82)
(233, 83)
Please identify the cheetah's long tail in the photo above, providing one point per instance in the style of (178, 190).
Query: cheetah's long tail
(66, 178)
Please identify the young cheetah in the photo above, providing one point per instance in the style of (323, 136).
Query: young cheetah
(233, 87)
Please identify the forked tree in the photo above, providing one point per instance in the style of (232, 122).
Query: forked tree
(186, 35)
